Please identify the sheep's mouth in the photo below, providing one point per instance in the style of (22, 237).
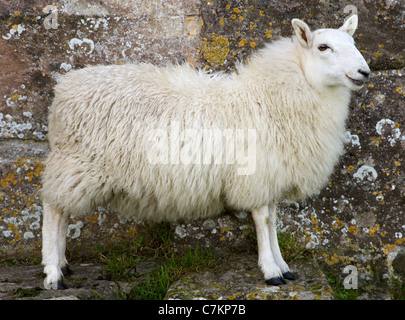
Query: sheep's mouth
(358, 83)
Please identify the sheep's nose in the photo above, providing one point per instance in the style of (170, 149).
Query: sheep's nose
(364, 73)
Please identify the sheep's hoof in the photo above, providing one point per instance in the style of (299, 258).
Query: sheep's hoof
(55, 286)
(276, 281)
(61, 286)
(66, 271)
(288, 275)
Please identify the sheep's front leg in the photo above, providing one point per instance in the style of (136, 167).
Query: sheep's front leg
(270, 269)
(50, 247)
(275, 249)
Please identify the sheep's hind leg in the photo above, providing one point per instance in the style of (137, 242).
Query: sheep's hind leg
(274, 244)
(270, 269)
(63, 225)
(50, 247)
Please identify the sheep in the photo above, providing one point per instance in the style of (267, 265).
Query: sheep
(123, 135)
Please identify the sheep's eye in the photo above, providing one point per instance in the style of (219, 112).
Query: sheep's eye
(323, 47)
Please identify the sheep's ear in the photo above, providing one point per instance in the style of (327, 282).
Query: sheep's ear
(303, 33)
(350, 25)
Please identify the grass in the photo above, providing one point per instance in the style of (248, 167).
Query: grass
(158, 282)
(121, 262)
(292, 249)
(26, 293)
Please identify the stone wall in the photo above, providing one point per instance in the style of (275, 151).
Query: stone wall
(40, 40)
(362, 207)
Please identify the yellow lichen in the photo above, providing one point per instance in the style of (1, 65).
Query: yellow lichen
(400, 241)
(216, 51)
(337, 224)
(242, 43)
(314, 220)
(9, 178)
(399, 90)
(353, 229)
(375, 141)
(232, 297)
(93, 218)
(333, 259)
(388, 247)
(373, 230)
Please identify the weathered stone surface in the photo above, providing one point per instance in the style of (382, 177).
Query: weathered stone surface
(86, 283)
(240, 278)
(231, 230)
(243, 26)
(398, 264)
(362, 206)
(32, 55)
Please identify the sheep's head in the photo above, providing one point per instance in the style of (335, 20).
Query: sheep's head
(330, 57)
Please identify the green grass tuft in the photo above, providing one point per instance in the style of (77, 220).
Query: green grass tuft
(158, 281)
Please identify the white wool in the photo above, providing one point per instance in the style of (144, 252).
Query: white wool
(101, 117)
(293, 96)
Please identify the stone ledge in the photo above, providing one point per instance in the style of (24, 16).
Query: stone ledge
(240, 279)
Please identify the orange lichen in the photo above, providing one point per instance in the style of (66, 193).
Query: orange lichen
(216, 51)
(353, 229)
(337, 224)
(314, 220)
(388, 247)
(399, 90)
(373, 230)
(242, 43)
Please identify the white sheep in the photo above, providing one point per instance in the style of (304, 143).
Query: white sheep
(165, 143)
